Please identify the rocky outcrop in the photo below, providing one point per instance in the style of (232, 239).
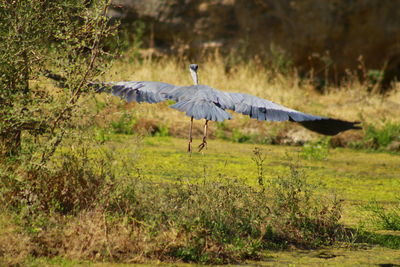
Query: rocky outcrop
(329, 37)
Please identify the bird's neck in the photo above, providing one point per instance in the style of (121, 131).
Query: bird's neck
(195, 77)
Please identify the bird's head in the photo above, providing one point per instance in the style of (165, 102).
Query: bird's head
(194, 67)
(193, 71)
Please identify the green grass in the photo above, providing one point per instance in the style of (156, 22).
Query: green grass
(357, 175)
(381, 138)
(384, 218)
(119, 170)
(364, 256)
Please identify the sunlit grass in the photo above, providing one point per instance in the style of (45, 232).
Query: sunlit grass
(351, 101)
(119, 150)
(357, 177)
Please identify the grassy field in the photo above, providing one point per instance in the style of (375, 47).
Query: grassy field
(323, 257)
(122, 188)
(355, 177)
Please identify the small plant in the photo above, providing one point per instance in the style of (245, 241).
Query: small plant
(384, 218)
(280, 62)
(239, 137)
(259, 159)
(376, 138)
(101, 135)
(162, 130)
(315, 151)
(137, 41)
(125, 124)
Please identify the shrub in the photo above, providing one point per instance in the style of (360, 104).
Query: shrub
(71, 185)
(70, 39)
(100, 208)
(383, 138)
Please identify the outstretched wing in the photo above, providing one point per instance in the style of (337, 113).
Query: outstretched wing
(262, 109)
(150, 92)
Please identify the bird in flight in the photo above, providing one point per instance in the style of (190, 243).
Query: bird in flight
(204, 102)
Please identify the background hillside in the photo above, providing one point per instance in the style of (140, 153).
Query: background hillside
(324, 39)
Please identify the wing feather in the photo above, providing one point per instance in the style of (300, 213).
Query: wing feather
(263, 109)
(202, 109)
(140, 91)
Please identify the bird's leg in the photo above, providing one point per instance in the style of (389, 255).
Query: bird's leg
(190, 135)
(204, 143)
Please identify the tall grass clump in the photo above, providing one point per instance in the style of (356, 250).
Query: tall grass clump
(381, 138)
(378, 216)
(384, 218)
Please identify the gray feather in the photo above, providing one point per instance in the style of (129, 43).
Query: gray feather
(201, 109)
(142, 91)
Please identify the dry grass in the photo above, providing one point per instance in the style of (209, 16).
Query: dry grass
(352, 101)
(15, 245)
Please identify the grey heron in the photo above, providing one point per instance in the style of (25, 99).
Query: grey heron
(204, 102)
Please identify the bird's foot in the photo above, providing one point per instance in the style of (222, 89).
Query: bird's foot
(202, 145)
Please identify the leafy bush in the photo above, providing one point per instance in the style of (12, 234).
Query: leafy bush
(69, 39)
(71, 185)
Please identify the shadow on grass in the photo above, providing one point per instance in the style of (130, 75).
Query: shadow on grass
(385, 240)
(363, 237)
